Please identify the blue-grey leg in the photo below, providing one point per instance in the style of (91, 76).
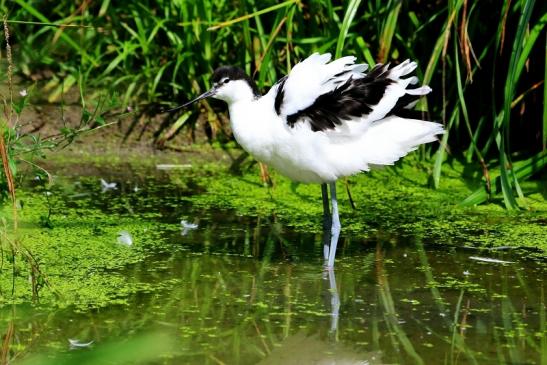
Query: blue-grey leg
(334, 301)
(326, 221)
(335, 227)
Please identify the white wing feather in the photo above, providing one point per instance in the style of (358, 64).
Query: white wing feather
(316, 76)
(385, 142)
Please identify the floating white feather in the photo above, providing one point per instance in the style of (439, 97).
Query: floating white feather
(106, 186)
(124, 238)
(78, 344)
(491, 260)
(187, 227)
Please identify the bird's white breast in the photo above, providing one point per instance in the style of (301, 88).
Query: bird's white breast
(265, 135)
(252, 127)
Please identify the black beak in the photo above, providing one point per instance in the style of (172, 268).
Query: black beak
(202, 96)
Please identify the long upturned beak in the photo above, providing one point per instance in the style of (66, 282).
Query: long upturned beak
(202, 96)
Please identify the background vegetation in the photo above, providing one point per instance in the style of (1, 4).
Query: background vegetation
(485, 61)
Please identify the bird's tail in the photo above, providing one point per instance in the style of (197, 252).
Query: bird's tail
(389, 139)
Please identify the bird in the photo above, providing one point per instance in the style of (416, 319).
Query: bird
(325, 120)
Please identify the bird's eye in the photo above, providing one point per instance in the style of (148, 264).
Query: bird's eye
(226, 80)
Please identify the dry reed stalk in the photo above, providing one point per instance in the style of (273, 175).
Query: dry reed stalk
(3, 147)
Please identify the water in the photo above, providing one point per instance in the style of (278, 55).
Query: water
(246, 290)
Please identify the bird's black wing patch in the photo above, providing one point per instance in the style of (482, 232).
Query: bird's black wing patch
(353, 99)
(280, 95)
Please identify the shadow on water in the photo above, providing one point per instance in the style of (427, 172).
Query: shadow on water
(246, 290)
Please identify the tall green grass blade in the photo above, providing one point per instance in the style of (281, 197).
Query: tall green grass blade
(439, 43)
(439, 159)
(260, 30)
(509, 91)
(206, 12)
(265, 58)
(517, 185)
(157, 79)
(427, 22)
(492, 137)
(544, 129)
(327, 46)
(529, 42)
(414, 19)
(388, 31)
(454, 121)
(523, 170)
(351, 11)
(263, 61)
(475, 139)
(365, 49)
(506, 187)
(104, 7)
(497, 116)
(248, 41)
(463, 104)
(289, 42)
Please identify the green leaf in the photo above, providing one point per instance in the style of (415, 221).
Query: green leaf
(99, 120)
(20, 105)
(351, 10)
(86, 116)
(523, 170)
(12, 165)
(388, 31)
(67, 83)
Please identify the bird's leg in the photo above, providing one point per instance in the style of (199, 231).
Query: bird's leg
(334, 301)
(335, 227)
(327, 221)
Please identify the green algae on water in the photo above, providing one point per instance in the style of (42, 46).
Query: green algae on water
(78, 252)
(72, 227)
(393, 199)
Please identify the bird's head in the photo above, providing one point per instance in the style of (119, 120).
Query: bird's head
(230, 84)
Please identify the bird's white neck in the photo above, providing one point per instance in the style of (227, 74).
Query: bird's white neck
(252, 127)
